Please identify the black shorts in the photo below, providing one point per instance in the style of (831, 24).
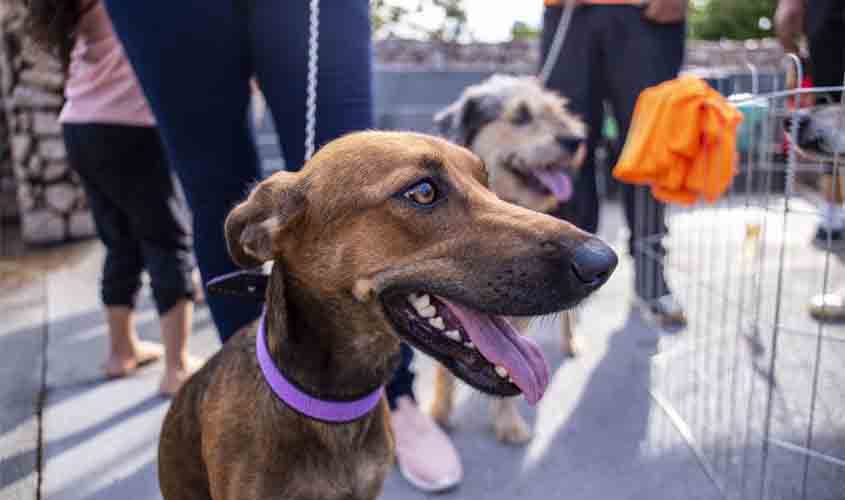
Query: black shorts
(824, 25)
(139, 210)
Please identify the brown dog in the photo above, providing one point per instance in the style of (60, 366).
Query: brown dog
(373, 220)
(533, 148)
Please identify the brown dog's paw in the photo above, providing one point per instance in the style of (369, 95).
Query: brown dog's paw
(512, 430)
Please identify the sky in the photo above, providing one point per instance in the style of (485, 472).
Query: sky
(491, 20)
(488, 20)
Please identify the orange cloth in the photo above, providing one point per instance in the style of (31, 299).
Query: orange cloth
(682, 142)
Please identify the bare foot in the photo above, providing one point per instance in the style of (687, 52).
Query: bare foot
(117, 366)
(172, 380)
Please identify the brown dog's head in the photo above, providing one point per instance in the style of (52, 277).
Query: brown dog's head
(398, 234)
(532, 146)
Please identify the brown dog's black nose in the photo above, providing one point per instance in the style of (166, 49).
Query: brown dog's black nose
(569, 144)
(593, 262)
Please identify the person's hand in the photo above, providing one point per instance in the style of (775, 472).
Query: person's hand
(789, 21)
(666, 11)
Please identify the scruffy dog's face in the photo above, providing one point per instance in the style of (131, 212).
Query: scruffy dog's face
(531, 144)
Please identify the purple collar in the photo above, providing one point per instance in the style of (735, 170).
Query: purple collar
(336, 412)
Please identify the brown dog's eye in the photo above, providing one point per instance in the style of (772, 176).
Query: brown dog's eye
(423, 193)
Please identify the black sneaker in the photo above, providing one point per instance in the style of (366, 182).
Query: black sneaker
(828, 239)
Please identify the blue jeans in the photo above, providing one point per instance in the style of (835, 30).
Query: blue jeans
(194, 60)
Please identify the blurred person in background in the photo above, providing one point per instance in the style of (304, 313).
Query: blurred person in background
(139, 210)
(822, 24)
(613, 50)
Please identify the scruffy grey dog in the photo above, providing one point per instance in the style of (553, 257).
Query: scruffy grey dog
(532, 145)
(533, 148)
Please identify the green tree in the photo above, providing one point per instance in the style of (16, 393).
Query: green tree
(731, 19)
(524, 31)
(388, 16)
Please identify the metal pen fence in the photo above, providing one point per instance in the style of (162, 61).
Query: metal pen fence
(755, 384)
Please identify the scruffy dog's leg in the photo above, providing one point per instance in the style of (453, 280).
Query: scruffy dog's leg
(568, 342)
(444, 394)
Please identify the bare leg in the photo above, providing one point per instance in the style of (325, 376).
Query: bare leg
(126, 351)
(178, 364)
(832, 192)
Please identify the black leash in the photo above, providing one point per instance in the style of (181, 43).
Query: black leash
(249, 284)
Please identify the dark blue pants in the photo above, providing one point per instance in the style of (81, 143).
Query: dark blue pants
(824, 24)
(194, 60)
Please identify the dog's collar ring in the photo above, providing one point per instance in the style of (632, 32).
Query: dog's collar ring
(335, 412)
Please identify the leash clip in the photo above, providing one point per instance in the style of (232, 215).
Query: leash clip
(247, 284)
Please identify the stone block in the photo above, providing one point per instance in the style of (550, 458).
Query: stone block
(54, 171)
(42, 226)
(60, 197)
(25, 198)
(46, 124)
(21, 147)
(42, 78)
(81, 225)
(34, 165)
(22, 122)
(52, 149)
(28, 97)
(7, 76)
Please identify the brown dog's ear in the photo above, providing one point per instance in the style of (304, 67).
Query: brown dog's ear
(254, 226)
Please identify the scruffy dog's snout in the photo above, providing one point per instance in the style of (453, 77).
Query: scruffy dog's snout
(570, 144)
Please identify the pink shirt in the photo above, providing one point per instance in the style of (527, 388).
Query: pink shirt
(101, 86)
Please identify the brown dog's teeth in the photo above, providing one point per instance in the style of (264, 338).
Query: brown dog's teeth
(419, 301)
(428, 312)
(438, 323)
(453, 335)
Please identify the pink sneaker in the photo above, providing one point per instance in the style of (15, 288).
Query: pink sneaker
(426, 457)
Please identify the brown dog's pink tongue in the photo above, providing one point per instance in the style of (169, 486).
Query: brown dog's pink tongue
(559, 183)
(500, 344)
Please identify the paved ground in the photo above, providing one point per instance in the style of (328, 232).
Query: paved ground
(598, 433)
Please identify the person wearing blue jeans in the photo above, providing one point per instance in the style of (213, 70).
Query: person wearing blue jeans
(194, 61)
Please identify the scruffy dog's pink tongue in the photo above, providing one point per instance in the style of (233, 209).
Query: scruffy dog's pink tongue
(559, 183)
(500, 344)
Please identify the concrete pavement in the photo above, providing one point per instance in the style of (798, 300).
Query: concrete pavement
(598, 434)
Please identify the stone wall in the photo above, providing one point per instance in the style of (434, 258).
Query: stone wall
(51, 201)
(8, 192)
(522, 56)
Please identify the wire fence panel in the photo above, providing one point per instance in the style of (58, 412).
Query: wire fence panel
(755, 384)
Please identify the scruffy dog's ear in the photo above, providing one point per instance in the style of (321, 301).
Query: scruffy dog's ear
(461, 121)
(254, 226)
